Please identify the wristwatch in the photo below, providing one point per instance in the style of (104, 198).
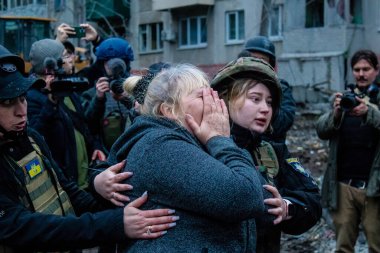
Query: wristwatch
(291, 210)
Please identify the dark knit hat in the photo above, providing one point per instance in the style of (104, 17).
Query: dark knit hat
(141, 87)
(43, 49)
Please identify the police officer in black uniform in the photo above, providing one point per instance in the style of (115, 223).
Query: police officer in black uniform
(39, 208)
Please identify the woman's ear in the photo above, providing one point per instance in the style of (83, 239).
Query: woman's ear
(167, 111)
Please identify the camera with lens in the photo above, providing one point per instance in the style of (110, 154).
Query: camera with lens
(118, 73)
(63, 85)
(116, 85)
(348, 101)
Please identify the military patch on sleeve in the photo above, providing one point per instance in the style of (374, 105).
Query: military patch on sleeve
(296, 165)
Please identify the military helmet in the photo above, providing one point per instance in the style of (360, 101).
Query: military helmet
(263, 45)
(253, 68)
(114, 48)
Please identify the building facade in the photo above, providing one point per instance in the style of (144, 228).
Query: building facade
(314, 38)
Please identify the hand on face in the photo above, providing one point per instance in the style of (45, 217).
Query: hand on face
(214, 120)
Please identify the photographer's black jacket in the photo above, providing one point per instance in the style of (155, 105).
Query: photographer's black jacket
(56, 124)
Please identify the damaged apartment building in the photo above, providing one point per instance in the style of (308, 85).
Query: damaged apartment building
(314, 38)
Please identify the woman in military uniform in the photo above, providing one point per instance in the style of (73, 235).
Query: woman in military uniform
(252, 92)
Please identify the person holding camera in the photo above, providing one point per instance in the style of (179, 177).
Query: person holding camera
(83, 32)
(105, 105)
(58, 116)
(351, 185)
(40, 210)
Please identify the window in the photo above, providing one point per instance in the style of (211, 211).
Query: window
(356, 16)
(150, 38)
(18, 3)
(193, 32)
(314, 13)
(234, 26)
(3, 5)
(275, 21)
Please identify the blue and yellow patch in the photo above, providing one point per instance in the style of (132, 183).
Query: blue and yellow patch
(33, 168)
(296, 165)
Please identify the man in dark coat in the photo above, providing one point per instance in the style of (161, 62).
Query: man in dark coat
(39, 207)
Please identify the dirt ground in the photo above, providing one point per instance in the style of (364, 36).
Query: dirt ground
(303, 143)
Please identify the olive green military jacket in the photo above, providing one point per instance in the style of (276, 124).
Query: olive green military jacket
(328, 129)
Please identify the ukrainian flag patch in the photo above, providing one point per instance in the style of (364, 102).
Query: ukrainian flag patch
(296, 165)
(33, 167)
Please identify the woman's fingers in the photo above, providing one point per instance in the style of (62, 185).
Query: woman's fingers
(117, 202)
(159, 213)
(147, 224)
(139, 201)
(224, 108)
(117, 167)
(158, 226)
(208, 101)
(273, 201)
(217, 102)
(273, 190)
(192, 124)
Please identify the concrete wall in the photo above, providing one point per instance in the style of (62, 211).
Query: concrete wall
(71, 12)
(311, 58)
(216, 51)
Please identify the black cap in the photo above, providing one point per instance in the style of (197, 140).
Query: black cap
(6, 56)
(12, 83)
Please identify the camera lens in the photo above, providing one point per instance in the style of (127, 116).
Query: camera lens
(117, 86)
(348, 102)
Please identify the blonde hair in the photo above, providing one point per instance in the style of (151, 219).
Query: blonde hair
(170, 86)
(236, 92)
(130, 83)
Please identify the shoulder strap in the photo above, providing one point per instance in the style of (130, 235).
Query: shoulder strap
(267, 160)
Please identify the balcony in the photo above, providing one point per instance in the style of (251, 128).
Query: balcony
(159, 5)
